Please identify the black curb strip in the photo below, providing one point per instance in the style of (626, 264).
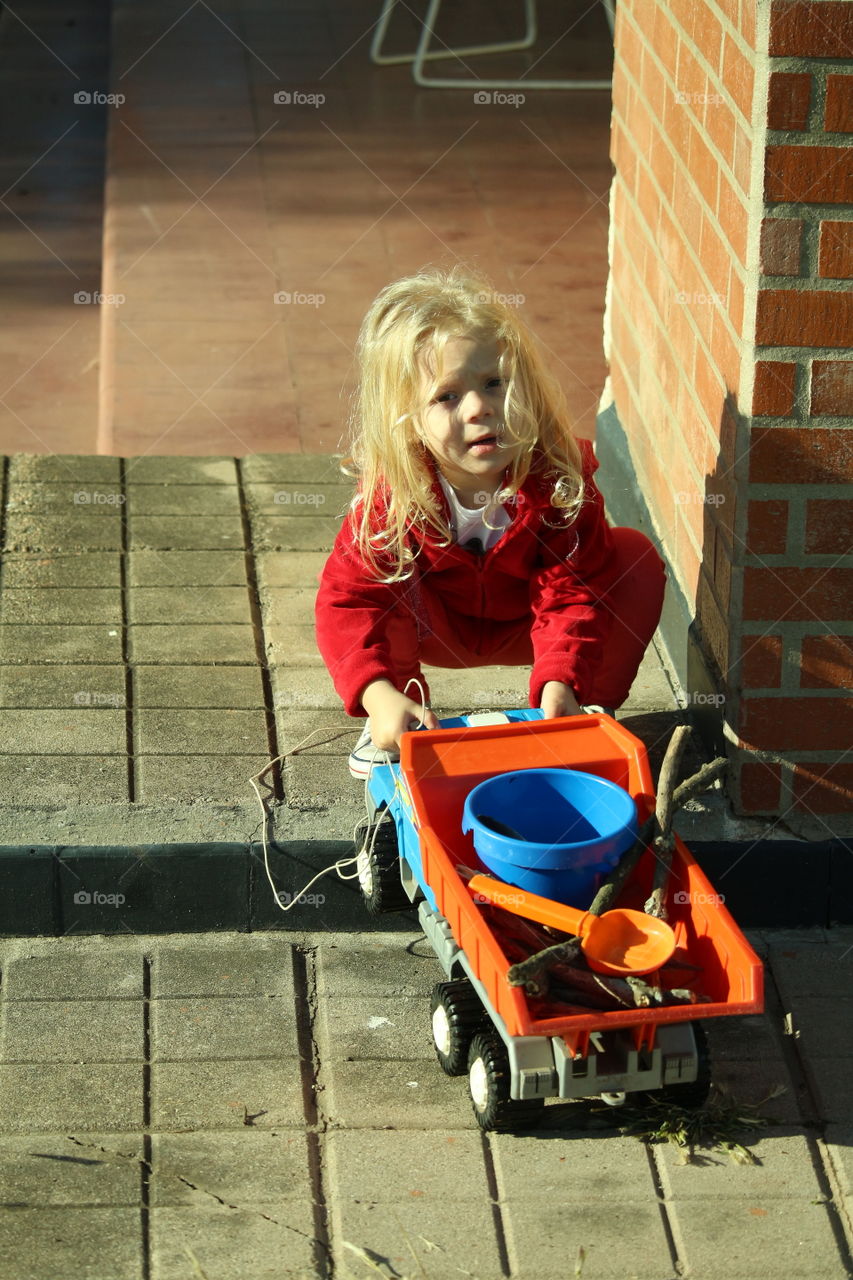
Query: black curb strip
(56, 890)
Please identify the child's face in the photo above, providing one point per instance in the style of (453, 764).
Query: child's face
(463, 415)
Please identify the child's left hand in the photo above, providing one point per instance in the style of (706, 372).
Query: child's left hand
(558, 699)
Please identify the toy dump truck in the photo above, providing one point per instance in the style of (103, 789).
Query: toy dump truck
(520, 1049)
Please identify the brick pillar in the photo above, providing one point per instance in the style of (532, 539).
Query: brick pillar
(728, 319)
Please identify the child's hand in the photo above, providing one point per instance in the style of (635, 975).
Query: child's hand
(392, 713)
(558, 699)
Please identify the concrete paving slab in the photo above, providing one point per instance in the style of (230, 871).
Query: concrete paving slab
(403, 964)
(746, 1039)
(58, 498)
(555, 1169)
(58, 1169)
(248, 1165)
(391, 1167)
(100, 1243)
(26, 644)
(186, 569)
(403, 1095)
(223, 1027)
(156, 469)
(33, 531)
(298, 569)
(418, 1237)
(376, 1026)
(785, 1167)
(286, 606)
(824, 1024)
(619, 1239)
(736, 1238)
(832, 1083)
(753, 1081)
(227, 687)
(189, 604)
(199, 779)
(282, 468)
(67, 686)
(89, 569)
(190, 642)
(308, 532)
(220, 1242)
(263, 1093)
(59, 468)
(184, 533)
(295, 643)
(182, 499)
(227, 970)
(811, 968)
(81, 975)
(304, 687)
(294, 498)
(24, 779)
(72, 1031)
(222, 732)
(62, 604)
(72, 731)
(67, 1096)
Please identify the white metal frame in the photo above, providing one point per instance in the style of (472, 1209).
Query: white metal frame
(423, 53)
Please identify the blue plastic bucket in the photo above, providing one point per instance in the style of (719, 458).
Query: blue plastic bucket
(571, 829)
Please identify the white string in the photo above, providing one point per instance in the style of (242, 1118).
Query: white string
(334, 866)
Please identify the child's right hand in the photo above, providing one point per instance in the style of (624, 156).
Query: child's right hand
(392, 714)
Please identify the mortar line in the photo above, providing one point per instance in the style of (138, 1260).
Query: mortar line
(4, 506)
(258, 630)
(495, 1205)
(812, 1120)
(146, 1166)
(305, 998)
(679, 1266)
(125, 637)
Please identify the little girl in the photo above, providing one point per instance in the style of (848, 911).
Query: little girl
(477, 535)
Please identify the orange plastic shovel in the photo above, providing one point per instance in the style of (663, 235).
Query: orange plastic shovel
(620, 941)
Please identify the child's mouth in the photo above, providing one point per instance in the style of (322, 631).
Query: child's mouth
(486, 444)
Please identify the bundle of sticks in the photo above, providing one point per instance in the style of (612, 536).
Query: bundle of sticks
(551, 966)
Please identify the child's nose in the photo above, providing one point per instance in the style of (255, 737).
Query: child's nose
(475, 406)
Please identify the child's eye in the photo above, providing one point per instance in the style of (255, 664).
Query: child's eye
(494, 383)
(444, 396)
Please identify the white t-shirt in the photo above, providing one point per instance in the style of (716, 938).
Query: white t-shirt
(468, 524)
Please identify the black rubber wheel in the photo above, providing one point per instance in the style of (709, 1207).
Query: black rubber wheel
(379, 867)
(693, 1093)
(488, 1082)
(457, 1014)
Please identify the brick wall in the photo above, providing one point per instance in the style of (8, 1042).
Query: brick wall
(728, 322)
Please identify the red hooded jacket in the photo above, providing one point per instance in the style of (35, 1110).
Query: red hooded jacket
(542, 569)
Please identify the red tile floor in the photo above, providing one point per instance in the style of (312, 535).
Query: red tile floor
(218, 197)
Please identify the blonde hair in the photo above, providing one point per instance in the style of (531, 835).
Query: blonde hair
(409, 321)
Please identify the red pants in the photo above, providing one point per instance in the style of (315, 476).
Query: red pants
(633, 608)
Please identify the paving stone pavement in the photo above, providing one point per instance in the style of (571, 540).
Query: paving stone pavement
(268, 1105)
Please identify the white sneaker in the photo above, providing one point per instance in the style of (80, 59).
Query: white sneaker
(365, 755)
(593, 709)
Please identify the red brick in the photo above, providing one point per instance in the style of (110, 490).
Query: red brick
(664, 38)
(761, 662)
(724, 349)
(788, 100)
(804, 318)
(760, 788)
(800, 455)
(773, 392)
(829, 526)
(836, 250)
(797, 724)
(824, 788)
(838, 117)
(713, 624)
(736, 298)
(720, 128)
(785, 594)
(813, 175)
(767, 534)
(832, 391)
(780, 246)
(817, 30)
(732, 213)
(826, 662)
(738, 77)
(742, 159)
